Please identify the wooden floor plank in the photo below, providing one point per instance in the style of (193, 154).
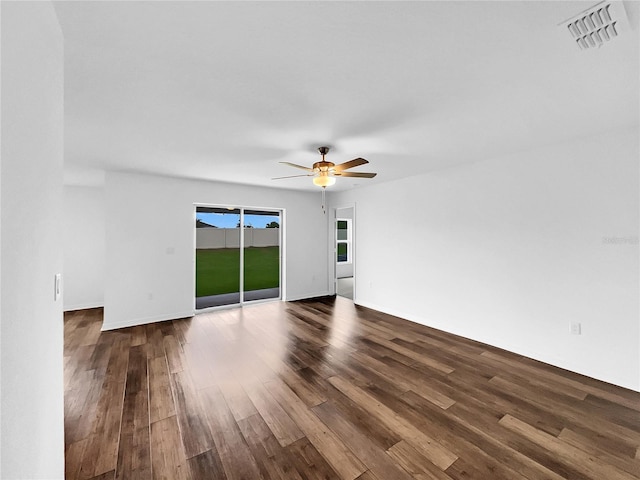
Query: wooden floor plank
(309, 461)
(337, 454)
(206, 465)
(604, 391)
(473, 433)
(161, 404)
(368, 452)
(168, 459)
(235, 455)
(368, 475)
(73, 457)
(439, 455)
(390, 374)
(134, 455)
(362, 419)
(323, 389)
(565, 451)
(628, 464)
(573, 413)
(418, 357)
(306, 392)
(173, 351)
(283, 427)
(101, 454)
(138, 335)
(237, 399)
(264, 447)
(110, 475)
(196, 437)
(81, 404)
(415, 463)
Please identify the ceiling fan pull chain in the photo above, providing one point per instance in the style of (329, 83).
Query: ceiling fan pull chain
(324, 210)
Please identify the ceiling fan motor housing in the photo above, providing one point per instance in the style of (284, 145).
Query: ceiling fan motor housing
(323, 166)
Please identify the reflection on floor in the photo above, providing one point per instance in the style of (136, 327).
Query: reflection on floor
(325, 389)
(234, 298)
(345, 287)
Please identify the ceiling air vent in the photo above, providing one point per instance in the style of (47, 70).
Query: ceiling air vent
(598, 25)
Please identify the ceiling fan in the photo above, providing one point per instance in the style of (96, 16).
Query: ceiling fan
(324, 173)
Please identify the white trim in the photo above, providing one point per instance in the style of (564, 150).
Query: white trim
(83, 306)
(248, 303)
(241, 255)
(534, 354)
(348, 241)
(215, 308)
(145, 320)
(333, 253)
(283, 257)
(307, 296)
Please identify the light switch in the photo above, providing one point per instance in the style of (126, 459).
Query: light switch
(57, 286)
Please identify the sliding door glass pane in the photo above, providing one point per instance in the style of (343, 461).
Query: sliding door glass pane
(217, 256)
(261, 255)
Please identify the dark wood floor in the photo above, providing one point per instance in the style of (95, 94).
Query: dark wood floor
(326, 390)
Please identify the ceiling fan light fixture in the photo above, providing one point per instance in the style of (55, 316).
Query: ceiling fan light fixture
(324, 181)
(324, 173)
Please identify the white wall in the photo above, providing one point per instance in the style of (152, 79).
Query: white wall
(512, 250)
(84, 247)
(151, 240)
(31, 247)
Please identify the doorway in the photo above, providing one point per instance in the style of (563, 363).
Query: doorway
(237, 255)
(345, 253)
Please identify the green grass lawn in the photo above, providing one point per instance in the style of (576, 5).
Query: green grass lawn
(218, 270)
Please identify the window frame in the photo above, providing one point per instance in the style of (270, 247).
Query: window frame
(348, 242)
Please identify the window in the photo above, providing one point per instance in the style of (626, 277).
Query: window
(343, 240)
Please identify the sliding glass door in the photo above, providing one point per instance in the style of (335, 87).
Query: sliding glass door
(261, 266)
(237, 256)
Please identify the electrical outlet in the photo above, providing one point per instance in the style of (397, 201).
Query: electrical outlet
(576, 328)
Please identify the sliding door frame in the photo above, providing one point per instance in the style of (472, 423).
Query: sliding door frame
(281, 255)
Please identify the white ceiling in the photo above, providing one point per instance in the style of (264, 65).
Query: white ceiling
(226, 90)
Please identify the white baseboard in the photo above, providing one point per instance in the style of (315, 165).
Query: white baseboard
(306, 296)
(535, 354)
(82, 306)
(144, 321)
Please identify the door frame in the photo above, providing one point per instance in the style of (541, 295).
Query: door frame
(333, 250)
(281, 256)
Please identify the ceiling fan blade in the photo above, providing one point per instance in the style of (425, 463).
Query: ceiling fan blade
(294, 176)
(298, 166)
(350, 164)
(355, 174)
